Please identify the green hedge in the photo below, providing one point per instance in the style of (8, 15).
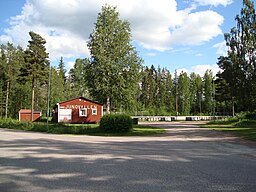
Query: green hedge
(116, 122)
(42, 127)
(15, 124)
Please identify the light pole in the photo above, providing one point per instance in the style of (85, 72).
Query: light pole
(176, 86)
(48, 96)
(214, 96)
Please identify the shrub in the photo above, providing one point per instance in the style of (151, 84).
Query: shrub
(251, 115)
(116, 122)
(246, 123)
(15, 124)
(246, 115)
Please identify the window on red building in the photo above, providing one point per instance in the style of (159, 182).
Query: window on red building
(82, 112)
(94, 111)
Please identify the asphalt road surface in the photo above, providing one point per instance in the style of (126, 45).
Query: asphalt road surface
(187, 158)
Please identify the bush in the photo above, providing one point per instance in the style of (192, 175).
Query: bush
(65, 129)
(251, 115)
(15, 124)
(116, 122)
(42, 127)
(246, 115)
(246, 123)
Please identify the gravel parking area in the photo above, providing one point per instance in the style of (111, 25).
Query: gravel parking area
(186, 158)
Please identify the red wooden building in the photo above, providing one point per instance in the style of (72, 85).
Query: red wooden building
(25, 114)
(78, 110)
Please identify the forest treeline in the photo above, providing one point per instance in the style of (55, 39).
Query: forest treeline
(156, 93)
(116, 76)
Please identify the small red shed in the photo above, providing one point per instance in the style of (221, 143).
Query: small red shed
(78, 110)
(25, 114)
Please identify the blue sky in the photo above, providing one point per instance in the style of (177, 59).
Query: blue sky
(176, 34)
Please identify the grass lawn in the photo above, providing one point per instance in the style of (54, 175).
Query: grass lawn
(94, 130)
(244, 128)
(137, 130)
(77, 129)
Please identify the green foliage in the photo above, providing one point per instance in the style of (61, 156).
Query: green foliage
(251, 115)
(138, 130)
(208, 88)
(223, 96)
(65, 129)
(247, 115)
(11, 60)
(246, 123)
(227, 121)
(184, 93)
(62, 70)
(244, 128)
(41, 127)
(116, 122)
(36, 58)
(196, 93)
(56, 88)
(36, 69)
(242, 119)
(239, 65)
(15, 124)
(78, 80)
(113, 73)
(156, 91)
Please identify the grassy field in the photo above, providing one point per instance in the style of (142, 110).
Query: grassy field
(77, 129)
(243, 128)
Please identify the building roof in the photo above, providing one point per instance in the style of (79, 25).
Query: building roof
(83, 99)
(28, 111)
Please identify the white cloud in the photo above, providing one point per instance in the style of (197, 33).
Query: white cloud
(221, 48)
(5, 39)
(179, 71)
(199, 69)
(214, 2)
(156, 25)
(70, 65)
(61, 41)
(197, 28)
(151, 54)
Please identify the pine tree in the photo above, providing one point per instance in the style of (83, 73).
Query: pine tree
(144, 94)
(199, 94)
(208, 87)
(193, 90)
(152, 88)
(223, 95)
(184, 94)
(62, 70)
(170, 95)
(11, 59)
(37, 64)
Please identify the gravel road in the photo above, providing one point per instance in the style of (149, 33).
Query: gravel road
(186, 158)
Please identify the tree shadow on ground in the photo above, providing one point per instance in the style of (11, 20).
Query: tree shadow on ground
(48, 164)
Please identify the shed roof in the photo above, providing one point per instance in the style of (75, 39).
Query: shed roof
(28, 111)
